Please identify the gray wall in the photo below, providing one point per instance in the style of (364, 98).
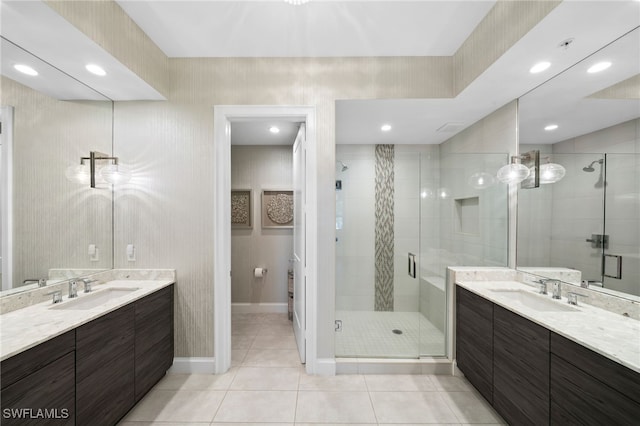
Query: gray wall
(258, 168)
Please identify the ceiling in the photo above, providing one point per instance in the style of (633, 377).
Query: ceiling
(265, 28)
(321, 28)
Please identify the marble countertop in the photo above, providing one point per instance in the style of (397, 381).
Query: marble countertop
(25, 328)
(609, 334)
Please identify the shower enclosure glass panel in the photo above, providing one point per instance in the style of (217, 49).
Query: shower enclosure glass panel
(621, 254)
(397, 233)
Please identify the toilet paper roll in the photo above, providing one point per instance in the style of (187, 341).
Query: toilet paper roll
(259, 272)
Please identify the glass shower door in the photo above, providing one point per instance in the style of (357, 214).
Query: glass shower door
(621, 254)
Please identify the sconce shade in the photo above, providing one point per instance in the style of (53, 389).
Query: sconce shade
(513, 173)
(481, 180)
(551, 173)
(116, 174)
(79, 173)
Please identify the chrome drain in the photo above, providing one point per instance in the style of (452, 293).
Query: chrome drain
(396, 331)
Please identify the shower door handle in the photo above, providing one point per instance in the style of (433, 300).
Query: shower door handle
(618, 266)
(412, 265)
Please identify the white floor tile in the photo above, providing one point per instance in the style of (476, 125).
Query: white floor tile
(266, 378)
(197, 381)
(176, 406)
(272, 358)
(412, 407)
(334, 407)
(450, 383)
(398, 382)
(471, 407)
(274, 341)
(333, 383)
(257, 407)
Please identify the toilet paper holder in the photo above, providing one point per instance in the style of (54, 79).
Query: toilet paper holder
(259, 272)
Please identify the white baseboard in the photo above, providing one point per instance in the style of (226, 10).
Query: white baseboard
(259, 308)
(193, 365)
(325, 367)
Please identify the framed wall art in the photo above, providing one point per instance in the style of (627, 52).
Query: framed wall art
(241, 208)
(277, 209)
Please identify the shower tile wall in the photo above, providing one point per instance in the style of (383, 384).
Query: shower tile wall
(384, 227)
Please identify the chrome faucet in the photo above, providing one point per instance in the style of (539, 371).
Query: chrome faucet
(73, 289)
(572, 298)
(41, 281)
(57, 296)
(556, 287)
(87, 284)
(542, 285)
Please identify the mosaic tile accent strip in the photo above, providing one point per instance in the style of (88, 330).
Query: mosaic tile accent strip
(384, 228)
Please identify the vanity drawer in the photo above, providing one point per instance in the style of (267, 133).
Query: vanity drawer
(577, 398)
(21, 365)
(605, 370)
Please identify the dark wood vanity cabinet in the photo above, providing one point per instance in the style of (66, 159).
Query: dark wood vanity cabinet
(520, 369)
(539, 377)
(38, 385)
(153, 340)
(589, 389)
(474, 340)
(105, 368)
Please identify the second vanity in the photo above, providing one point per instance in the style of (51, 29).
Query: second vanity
(542, 361)
(87, 360)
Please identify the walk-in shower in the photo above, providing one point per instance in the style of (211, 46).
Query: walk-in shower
(403, 214)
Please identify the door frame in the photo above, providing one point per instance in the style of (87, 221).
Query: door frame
(223, 116)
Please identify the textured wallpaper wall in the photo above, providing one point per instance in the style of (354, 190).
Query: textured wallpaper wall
(49, 136)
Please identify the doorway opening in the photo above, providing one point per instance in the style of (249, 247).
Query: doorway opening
(302, 191)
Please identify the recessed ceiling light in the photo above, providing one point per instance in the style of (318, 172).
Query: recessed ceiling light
(274, 129)
(385, 127)
(96, 69)
(551, 127)
(600, 66)
(25, 69)
(539, 67)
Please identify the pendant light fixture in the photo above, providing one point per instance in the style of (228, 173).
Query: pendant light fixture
(526, 171)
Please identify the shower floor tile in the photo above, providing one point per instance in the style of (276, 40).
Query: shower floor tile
(371, 334)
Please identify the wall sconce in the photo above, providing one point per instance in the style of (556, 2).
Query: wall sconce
(113, 173)
(525, 172)
(551, 172)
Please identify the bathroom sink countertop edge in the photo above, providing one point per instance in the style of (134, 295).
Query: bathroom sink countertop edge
(25, 328)
(609, 334)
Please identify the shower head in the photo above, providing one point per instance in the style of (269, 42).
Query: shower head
(344, 166)
(590, 168)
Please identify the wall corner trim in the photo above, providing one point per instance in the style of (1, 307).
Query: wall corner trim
(325, 367)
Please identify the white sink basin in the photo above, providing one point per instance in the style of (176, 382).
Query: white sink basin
(97, 298)
(534, 301)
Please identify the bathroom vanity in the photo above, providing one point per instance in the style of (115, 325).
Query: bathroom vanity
(536, 361)
(82, 365)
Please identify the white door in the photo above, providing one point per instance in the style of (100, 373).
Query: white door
(299, 240)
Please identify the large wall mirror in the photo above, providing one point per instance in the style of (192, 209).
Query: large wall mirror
(585, 227)
(54, 227)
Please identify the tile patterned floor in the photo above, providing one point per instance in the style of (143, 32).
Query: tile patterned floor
(267, 385)
(369, 334)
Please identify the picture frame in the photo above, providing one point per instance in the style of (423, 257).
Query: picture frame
(241, 208)
(277, 209)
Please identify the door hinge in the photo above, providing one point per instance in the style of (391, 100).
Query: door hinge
(338, 326)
